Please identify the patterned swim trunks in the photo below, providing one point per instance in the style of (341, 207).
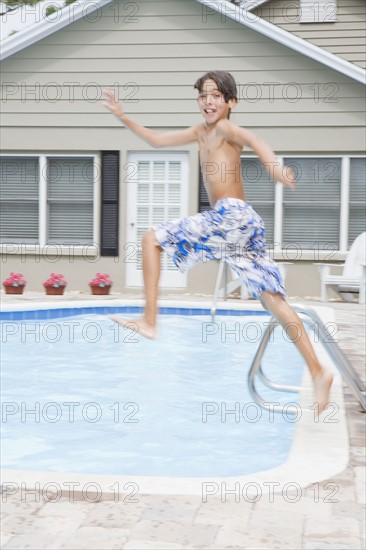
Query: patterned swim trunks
(230, 231)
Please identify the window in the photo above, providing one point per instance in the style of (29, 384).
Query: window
(47, 200)
(357, 199)
(70, 200)
(311, 215)
(19, 196)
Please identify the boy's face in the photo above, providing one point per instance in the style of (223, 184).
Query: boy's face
(212, 103)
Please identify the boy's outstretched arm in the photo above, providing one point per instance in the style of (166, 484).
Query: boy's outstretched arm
(179, 137)
(241, 136)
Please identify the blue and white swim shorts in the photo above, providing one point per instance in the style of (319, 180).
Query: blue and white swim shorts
(231, 231)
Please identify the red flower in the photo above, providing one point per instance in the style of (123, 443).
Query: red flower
(15, 279)
(56, 280)
(101, 279)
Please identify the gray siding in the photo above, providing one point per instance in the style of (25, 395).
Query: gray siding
(345, 38)
(156, 60)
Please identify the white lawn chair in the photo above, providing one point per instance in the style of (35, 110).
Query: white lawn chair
(353, 278)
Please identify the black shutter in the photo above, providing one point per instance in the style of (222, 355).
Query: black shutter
(110, 203)
(203, 202)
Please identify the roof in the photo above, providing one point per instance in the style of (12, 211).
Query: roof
(45, 27)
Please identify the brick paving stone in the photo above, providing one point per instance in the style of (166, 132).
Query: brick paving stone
(21, 504)
(332, 531)
(17, 525)
(309, 505)
(171, 531)
(96, 538)
(321, 545)
(274, 519)
(46, 525)
(113, 514)
(358, 456)
(360, 482)
(64, 508)
(150, 545)
(262, 538)
(163, 511)
(346, 489)
(33, 542)
(219, 513)
(349, 509)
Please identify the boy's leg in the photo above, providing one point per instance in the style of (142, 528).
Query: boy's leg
(151, 253)
(146, 325)
(290, 320)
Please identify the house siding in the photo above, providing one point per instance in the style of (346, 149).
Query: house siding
(346, 37)
(51, 93)
(156, 61)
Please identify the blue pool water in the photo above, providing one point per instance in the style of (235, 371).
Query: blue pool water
(81, 394)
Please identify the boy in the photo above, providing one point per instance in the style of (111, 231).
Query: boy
(231, 229)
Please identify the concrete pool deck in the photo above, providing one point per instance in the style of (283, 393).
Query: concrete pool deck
(326, 515)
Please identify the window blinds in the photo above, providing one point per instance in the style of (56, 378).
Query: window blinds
(312, 213)
(357, 199)
(70, 200)
(19, 192)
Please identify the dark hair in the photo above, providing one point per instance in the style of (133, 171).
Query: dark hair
(224, 81)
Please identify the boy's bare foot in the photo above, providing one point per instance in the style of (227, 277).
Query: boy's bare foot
(322, 384)
(139, 325)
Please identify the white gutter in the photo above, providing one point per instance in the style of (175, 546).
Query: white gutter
(243, 16)
(68, 14)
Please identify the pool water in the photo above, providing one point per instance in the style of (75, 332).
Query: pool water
(81, 394)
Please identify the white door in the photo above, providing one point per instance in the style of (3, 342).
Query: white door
(157, 191)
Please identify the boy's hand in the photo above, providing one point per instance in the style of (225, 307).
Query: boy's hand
(111, 103)
(285, 175)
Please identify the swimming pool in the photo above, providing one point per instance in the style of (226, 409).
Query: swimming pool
(91, 398)
(137, 406)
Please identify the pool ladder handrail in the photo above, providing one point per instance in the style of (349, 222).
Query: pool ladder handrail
(344, 366)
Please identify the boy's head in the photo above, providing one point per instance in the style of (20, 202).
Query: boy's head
(216, 87)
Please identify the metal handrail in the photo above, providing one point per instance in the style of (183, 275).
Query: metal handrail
(341, 361)
(308, 315)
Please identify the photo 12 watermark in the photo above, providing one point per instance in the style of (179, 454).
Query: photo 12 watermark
(250, 412)
(68, 92)
(72, 491)
(253, 332)
(270, 491)
(72, 412)
(68, 331)
(69, 11)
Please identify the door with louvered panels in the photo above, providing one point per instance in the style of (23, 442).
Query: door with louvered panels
(157, 191)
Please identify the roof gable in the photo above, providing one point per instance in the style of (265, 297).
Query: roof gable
(238, 13)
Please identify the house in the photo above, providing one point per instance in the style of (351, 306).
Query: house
(79, 190)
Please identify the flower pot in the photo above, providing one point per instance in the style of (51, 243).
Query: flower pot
(100, 290)
(55, 290)
(11, 289)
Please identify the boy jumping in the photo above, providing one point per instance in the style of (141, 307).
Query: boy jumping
(231, 229)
